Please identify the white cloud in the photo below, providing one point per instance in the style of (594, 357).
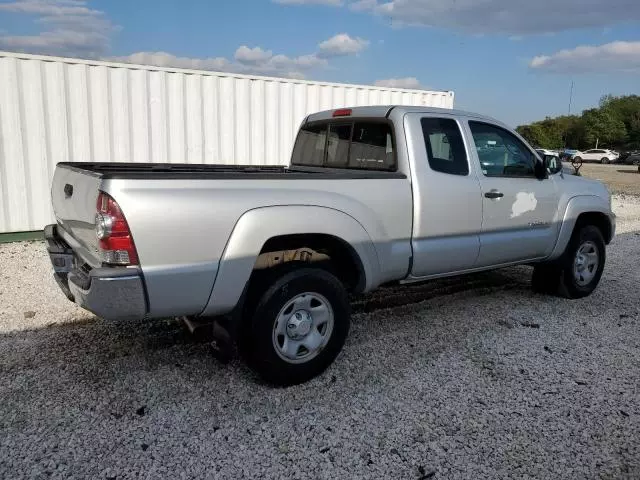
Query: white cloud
(406, 82)
(71, 28)
(331, 3)
(342, 44)
(510, 17)
(163, 59)
(255, 61)
(363, 5)
(607, 58)
(49, 7)
(255, 55)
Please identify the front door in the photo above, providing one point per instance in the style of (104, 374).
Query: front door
(518, 209)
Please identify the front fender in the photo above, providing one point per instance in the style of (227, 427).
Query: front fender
(575, 207)
(257, 226)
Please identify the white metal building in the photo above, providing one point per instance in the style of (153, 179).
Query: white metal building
(61, 109)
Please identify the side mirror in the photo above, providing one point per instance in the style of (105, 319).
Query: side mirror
(540, 169)
(552, 164)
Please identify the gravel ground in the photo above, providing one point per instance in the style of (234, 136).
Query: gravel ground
(478, 379)
(619, 178)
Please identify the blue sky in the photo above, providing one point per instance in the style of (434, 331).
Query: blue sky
(512, 59)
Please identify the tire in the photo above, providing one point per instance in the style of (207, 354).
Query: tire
(282, 342)
(604, 160)
(561, 278)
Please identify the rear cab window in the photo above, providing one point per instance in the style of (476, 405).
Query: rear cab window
(353, 144)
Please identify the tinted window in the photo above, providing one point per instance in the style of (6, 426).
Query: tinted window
(310, 146)
(361, 145)
(501, 153)
(372, 147)
(338, 145)
(445, 149)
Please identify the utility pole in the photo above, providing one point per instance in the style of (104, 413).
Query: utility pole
(566, 134)
(570, 96)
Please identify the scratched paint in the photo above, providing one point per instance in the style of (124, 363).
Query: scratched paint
(525, 202)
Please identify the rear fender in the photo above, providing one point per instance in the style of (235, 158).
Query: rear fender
(257, 226)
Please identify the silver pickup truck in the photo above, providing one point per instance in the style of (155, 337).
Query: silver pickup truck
(373, 195)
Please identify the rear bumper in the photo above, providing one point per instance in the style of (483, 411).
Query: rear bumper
(112, 293)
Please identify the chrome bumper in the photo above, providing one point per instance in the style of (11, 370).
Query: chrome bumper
(112, 293)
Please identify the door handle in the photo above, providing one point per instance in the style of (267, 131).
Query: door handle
(494, 194)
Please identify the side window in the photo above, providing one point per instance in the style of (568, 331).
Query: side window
(372, 147)
(309, 147)
(501, 154)
(445, 148)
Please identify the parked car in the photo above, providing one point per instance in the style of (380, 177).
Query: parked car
(372, 196)
(566, 153)
(630, 158)
(597, 155)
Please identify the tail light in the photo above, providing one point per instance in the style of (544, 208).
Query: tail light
(114, 236)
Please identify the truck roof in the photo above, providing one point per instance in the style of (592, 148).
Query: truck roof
(385, 110)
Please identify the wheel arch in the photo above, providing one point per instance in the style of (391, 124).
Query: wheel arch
(264, 229)
(584, 210)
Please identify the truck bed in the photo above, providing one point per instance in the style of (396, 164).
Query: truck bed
(190, 171)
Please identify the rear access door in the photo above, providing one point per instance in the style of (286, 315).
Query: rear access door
(446, 192)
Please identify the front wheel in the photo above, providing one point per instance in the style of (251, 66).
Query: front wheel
(298, 326)
(578, 272)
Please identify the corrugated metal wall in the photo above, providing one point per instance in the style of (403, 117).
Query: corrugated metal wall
(54, 109)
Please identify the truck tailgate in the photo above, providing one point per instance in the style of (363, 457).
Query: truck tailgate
(74, 193)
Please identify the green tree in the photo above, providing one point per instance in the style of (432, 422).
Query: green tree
(633, 131)
(614, 123)
(603, 126)
(534, 134)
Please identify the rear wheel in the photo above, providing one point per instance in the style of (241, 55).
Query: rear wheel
(297, 327)
(604, 160)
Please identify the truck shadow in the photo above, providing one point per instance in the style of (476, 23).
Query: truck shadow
(100, 352)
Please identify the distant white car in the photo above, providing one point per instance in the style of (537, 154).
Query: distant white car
(597, 155)
(544, 152)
